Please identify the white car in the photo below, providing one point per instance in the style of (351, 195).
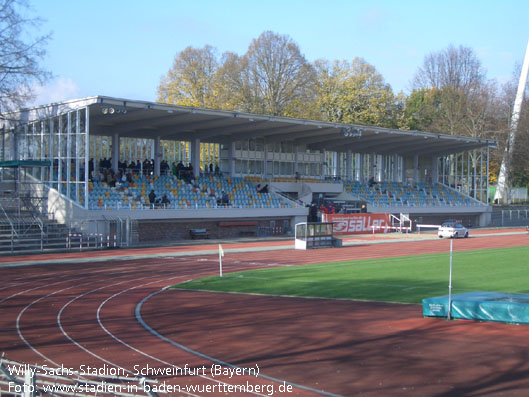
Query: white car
(452, 230)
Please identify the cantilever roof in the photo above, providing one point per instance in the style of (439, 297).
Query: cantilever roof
(141, 119)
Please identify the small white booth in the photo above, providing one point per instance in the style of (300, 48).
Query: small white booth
(315, 235)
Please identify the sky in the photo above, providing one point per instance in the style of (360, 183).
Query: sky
(122, 48)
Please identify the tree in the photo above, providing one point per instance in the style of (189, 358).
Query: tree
(272, 77)
(279, 78)
(191, 80)
(21, 49)
(235, 92)
(421, 109)
(453, 81)
(354, 92)
(458, 68)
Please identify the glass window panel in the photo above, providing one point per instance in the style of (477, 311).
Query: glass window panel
(81, 147)
(73, 145)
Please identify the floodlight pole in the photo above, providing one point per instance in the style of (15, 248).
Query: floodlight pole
(504, 177)
(449, 317)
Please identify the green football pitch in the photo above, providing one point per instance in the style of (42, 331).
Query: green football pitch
(406, 279)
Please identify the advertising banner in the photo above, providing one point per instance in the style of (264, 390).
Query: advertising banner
(357, 223)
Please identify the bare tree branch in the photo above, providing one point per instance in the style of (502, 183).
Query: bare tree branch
(21, 48)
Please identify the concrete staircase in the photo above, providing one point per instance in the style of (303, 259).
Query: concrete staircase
(24, 227)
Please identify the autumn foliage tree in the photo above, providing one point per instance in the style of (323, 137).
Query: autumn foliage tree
(354, 92)
(450, 92)
(191, 80)
(272, 77)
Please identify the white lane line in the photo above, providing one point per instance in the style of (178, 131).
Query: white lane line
(141, 351)
(19, 331)
(209, 358)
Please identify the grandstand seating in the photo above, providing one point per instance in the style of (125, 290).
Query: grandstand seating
(396, 194)
(204, 192)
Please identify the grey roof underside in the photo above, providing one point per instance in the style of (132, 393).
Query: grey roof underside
(170, 122)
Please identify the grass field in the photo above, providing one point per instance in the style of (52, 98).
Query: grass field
(399, 279)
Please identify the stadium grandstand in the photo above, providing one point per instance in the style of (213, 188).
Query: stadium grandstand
(144, 172)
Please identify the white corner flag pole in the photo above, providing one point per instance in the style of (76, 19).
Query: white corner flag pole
(221, 254)
(450, 285)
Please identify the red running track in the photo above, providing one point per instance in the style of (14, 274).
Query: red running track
(84, 314)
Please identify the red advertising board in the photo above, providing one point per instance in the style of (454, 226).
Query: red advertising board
(357, 223)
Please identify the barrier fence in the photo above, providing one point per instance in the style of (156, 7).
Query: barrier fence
(91, 240)
(402, 229)
(419, 227)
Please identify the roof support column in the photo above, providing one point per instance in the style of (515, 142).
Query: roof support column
(395, 160)
(157, 156)
(360, 168)
(456, 179)
(324, 166)
(416, 168)
(348, 164)
(435, 169)
(14, 143)
(115, 152)
(195, 156)
(337, 164)
(373, 172)
(265, 161)
(231, 154)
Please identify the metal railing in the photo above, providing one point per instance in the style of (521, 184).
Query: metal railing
(510, 217)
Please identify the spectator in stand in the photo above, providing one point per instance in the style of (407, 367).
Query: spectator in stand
(90, 167)
(217, 170)
(164, 167)
(211, 168)
(152, 197)
(165, 201)
(264, 189)
(225, 198)
(188, 173)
